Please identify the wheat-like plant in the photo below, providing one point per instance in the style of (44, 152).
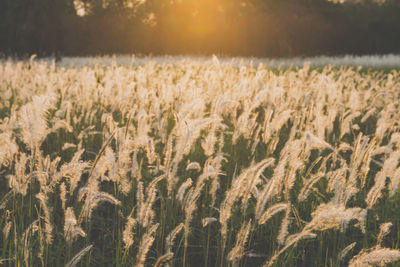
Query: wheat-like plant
(197, 161)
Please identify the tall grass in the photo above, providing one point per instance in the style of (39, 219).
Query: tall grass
(198, 163)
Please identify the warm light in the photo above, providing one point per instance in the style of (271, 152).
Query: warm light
(79, 8)
(200, 18)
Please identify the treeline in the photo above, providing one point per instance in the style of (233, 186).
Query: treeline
(229, 27)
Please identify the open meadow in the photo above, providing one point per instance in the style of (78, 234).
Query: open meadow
(199, 162)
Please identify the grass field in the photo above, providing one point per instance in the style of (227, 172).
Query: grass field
(196, 162)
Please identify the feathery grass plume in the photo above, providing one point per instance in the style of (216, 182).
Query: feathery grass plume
(20, 180)
(188, 132)
(8, 148)
(63, 195)
(150, 151)
(209, 142)
(164, 258)
(33, 122)
(237, 251)
(189, 207)
(193, 166)
(241, 189)
(106, 167)
(368, 114)
(145, 210)
(278, 120)
(206, 221)
(123, 159)
(45, 172)
(284, 228)
(145, 245)
(346, 122)
(93, 197)
(274, 185)
(251, 179)
(127, 234)
(384, 229)
(71, 227)
(390, 170)
(216, 164)
(291, 240)
(6, 229)
(48, 227)
(360, 160)
(305, 190)
(331, 215)
(378, 256)
(337, 184)
(271, 211)
(6, 198)
(384, 123)
(169, 147)
(315, 142)
(103, 148)
(182, 189)
(346, 250)
(29, 231)
(169, 240)
(72, 170)
(61, 124)
(75, 260)
(245, 125)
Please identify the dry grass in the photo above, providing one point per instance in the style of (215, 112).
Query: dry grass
(198, 163)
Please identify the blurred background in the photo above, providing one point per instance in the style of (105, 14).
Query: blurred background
(262, 28)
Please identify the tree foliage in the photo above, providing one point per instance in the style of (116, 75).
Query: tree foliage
(229, 27)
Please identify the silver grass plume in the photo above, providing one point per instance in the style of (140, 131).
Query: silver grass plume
(164, 258)
(346, 250)
(182, 189)
(206, 221)
(384, 229)
(6, 229)
(291, 240)
(63, 195)
(169, 240)
(33, 121)
(305, 190)
(145, 244)
(390, 170)
(74, 261)
(20, 180)
(271, 211)
(193, 166)
(237, 251)
(145, 207)
(8, 148)
(127, 234)
(73, 170)
(378, 256)
(331, 215)
(29, 231)
(71, 227)
(92, 198)
(48, 227)
(284, 228)
(241, 188)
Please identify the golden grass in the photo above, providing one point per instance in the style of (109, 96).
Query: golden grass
(147, 164)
